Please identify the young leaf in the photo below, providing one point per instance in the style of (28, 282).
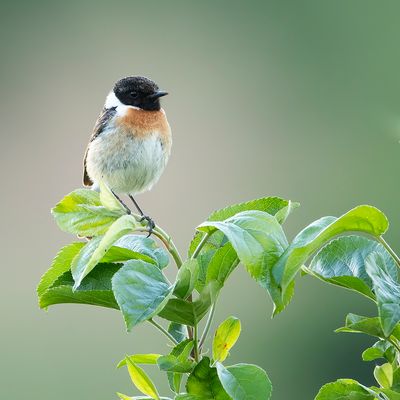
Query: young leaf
(342, 263)
(141, 359)
(204, 382)
(190, 313)
(365, 219)
(245, 382)
(221, 265)
(259, 241)
(141, 291)
(141, 380)
(145, 246)
(96, 248)
(345, 389)
(178, 331)
(284, 212)
(186, 278)
(387, 290)
(171, 363)
(181, 353)
(225, 338)
(384, 375)
(381, 349)
(359, 324)
(95, 290)
(81, 213)
(109, 201)
(60, 265)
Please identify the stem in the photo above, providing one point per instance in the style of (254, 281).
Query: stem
(164, 331)
(196, 343)
(390, 250)
(208, 325)
(201, 244)
(169, 244)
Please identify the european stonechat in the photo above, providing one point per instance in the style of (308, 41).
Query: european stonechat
(131, 141)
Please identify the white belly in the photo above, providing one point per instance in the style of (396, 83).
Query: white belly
(127, 164)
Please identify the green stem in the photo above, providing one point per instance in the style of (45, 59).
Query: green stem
(169, 244)
(201, 244)
(390, 250)
(164, 331)
(196, 343)
(208, 325)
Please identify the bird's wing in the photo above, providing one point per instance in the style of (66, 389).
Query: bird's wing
(102, 121)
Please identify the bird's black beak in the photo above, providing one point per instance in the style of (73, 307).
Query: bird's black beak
(157, 95)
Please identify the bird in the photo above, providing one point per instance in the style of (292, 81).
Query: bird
(131, 141)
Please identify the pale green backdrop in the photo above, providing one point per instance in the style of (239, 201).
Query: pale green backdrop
(293, 98)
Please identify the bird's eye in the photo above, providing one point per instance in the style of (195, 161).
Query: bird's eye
(134, 95)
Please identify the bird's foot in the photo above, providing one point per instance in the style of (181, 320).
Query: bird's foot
(150, 224)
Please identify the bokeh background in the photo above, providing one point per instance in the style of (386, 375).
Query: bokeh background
(293, 98)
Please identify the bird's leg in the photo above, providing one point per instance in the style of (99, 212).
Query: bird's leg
(150, 223)
(128, 210)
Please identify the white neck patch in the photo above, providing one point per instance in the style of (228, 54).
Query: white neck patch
(113, 101)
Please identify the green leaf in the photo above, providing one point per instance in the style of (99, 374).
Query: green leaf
(384, 375)
(109, 201)
(381, 349)
(81, 213)
(181, 353)
(190, 313)
(245, 382)
(390, 394)
(147, 247)
(95, 290)
(344, 389)
(359, 324)
(141, 359)
(95, 249)
(124, 397)
(59, 266)
(178, 331)
(141, 380)
(284, 212)
(172, 364)
(186, 278)
(365, 219)
(342, 263)
(204, 382)
(387, 290)
(259, 241)
(141, 291)
(222, 264)
(186, 396)
(225, 338)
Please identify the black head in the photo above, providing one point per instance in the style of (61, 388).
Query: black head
(140, 92)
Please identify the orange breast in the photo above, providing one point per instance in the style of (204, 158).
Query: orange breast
(141, 123)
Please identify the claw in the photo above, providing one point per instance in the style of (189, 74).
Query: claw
(150, 224)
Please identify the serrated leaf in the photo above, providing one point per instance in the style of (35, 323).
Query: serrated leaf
(259, 241)
(245, 382)
(81, 213)
(344, 389)
(186, 278)
(359, 324)
(171, 363)
(141, 291)
(225, 338)
(386, 288)
(95, 290)
(342, 262)
(190, 313)
(60, 265)
(284, 212)
(95, 249)
(140, 359)
(141, 380)
(204, 382)
(384, 375)
(364, 218)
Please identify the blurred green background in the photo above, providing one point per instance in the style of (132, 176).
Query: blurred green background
(293, 98)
